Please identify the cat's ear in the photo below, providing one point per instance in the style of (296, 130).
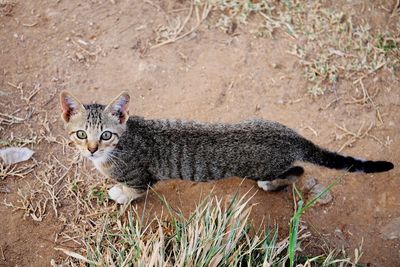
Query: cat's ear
(119, 107)
(69, 105)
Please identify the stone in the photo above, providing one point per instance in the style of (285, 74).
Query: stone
(391, 230)
(323, 200)
(339, 234)
(309, 183)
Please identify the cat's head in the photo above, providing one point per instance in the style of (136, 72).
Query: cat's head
(94, 129)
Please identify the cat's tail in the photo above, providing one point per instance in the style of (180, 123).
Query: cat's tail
(334, 160)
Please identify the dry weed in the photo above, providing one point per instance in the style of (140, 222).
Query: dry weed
(353, 137)
(7, 7)
(175, 30)
(31, 201)
(217, 233)
(17, 170)
(328, 44)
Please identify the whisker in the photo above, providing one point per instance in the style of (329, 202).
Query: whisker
(115, 160)
(115, 164)
(116, 157)
(115, 151)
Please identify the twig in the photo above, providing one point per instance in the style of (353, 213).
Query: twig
(93, 54)
(206, 10)
(178, 10)
(370, 72)
(396, 9)
(312, 130)
(153, 5)
(362, 100)
(378, 114)
(28, 98)
(30, 25)
(2, 253)
(332, 102)
(366, 97)
(357, 136)
(50, 98)
(11, 118)
(13, 171)
(179, 30)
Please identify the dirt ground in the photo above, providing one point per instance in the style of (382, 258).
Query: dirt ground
(95, 49)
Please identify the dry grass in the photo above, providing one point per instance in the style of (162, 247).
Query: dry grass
(175, 30)
(45, 181)
(336, 48)
(31, 202)
(84, 51)
(352, 137)
(329, 45)
(9, 119)
(17, 170)
(98, 232)
(44, 193)
(30, 141)
(7, 6)
(217, 233)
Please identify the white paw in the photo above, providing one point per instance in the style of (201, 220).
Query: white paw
(266, 185)
(123, 194)
(116, 193)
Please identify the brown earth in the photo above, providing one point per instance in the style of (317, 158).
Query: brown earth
(96, 49)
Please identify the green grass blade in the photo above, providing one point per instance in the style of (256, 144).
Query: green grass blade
(294, 231)
(312, 202)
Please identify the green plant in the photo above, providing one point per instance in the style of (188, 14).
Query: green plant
(294, 222)
(217, 233)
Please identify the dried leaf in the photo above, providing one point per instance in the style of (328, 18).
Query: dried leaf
(12, 155)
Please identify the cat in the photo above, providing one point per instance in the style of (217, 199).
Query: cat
(137, 152)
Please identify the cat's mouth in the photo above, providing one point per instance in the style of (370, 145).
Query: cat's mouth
(99, 155)
(93, 156)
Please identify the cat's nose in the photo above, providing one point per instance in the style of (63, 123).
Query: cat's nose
(92, 149)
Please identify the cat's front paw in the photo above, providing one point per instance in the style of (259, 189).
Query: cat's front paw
(266, 186)
(123, 194)
(116, 194)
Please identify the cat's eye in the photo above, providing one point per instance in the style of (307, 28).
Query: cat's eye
(106, 135)
(81, 134)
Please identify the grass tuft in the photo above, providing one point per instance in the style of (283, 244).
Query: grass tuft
(328, 43)
(216, 233)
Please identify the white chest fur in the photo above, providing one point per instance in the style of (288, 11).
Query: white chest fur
(102, 166)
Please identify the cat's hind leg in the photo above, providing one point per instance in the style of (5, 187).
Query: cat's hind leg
(288, 177)
(122, 194)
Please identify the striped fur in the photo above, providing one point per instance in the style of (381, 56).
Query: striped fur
(143, 152)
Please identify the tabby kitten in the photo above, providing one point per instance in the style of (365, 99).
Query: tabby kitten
(137, 152)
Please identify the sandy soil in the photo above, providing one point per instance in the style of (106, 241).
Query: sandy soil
(96, 49)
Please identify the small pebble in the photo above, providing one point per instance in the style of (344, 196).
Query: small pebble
(309, 183)
(339, 234)
(324, 199)
(79, 56)
(391, 230)
(5, 189)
